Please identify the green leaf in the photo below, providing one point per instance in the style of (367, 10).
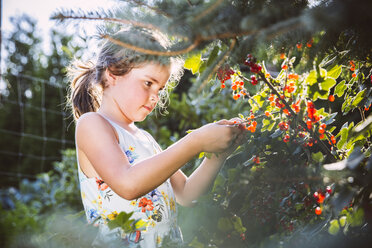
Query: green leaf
(317, 157)
(311, 78)
(346, 105)
(327, 84)
(219, 182)
(122, 220)
(323, 94)
(231, 175)
(340, 88)
(259, 100)
(358, 98)
(330, 118)
(267, 125)
(213, 55)
(344, 134)
(323, 72)
(224, 224)
(356, 218)
(193, 63)
(334, 72)
(195, 243)
(238, 225)
(334, 227)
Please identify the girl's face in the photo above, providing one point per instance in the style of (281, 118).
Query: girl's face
(136, 93)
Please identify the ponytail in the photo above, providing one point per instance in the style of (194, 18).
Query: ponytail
(85, 90)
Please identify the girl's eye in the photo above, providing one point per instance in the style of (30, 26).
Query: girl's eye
(147, 83)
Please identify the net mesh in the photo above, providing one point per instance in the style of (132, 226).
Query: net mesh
(34, 126)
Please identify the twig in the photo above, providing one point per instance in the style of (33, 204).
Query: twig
(208, 10)
(152, 52)
(152, 8)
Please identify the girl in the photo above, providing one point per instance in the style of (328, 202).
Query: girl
(121, 167)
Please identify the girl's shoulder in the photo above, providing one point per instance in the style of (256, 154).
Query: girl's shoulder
(90, 120)
(91, 125)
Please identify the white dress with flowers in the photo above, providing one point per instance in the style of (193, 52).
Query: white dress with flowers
(156, 212)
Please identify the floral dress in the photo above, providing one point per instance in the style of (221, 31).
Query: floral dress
(156, 211)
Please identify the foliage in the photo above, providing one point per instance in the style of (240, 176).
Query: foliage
(46, 210)
(276, 183)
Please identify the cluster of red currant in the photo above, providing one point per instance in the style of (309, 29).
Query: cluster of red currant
(256, 159)
(308, 44)
(251, 62)
(320, 196)
(251, 123)
(314, 118)
(224, 73)
(352, 68)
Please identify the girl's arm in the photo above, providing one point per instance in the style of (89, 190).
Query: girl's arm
(188, 189)
(96, 139)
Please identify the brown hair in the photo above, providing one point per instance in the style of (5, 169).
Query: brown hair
(88, 81)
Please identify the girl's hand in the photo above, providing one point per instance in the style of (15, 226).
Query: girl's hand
(239, 139)
(220, 136)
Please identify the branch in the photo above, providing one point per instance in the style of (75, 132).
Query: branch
(109, 19)
(152, 52)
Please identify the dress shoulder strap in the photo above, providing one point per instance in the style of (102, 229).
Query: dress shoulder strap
(117, 128)
(155, 144)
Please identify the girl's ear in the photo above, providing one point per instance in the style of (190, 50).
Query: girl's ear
(111, 78)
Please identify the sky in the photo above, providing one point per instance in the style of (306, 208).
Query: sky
(41, 10)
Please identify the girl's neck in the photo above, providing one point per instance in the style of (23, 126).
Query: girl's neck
(130, 127)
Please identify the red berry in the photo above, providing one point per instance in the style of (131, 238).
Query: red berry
(321, 198)
(318, 211)
(329, 190)
(316, 195)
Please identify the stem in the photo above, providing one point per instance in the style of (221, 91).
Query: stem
(257, 117)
